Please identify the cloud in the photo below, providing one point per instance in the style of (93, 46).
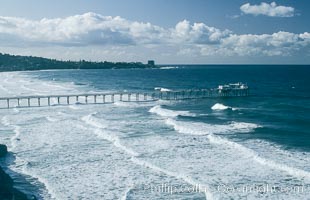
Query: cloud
(271, 10)
(105, 35)
(95, 29)
(276, 44)
(198, 33)
(81, 30)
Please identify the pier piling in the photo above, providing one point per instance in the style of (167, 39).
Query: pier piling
(167, 95)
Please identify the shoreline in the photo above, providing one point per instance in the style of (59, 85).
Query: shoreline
(7, 183)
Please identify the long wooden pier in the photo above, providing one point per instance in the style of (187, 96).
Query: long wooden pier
(102, 98)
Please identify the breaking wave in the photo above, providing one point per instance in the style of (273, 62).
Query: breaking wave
(263, 161)
(162, 89)
(104, 134)
(198, 128)
(169, 113)
(91, 120)
(219, 106)
(99, 130)
(16, 129)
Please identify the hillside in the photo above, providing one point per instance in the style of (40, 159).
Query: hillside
(25, 63)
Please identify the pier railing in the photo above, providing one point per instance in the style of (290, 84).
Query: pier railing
(102, 98)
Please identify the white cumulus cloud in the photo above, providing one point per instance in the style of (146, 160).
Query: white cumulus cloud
(86, 29)
(280, 44)
(271, 10)
(96, 29)
(91, 35)
(198, 33)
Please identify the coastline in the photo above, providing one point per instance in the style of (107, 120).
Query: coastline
(29, 63)
(7, 189)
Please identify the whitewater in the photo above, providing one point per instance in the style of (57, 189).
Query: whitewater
(128, 150)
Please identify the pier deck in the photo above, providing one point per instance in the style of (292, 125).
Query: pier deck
(102, 98)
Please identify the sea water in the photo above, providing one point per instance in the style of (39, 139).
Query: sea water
(215, 148)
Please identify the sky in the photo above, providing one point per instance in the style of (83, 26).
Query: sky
(167, 31)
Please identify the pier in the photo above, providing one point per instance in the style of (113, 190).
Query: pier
(104, 98)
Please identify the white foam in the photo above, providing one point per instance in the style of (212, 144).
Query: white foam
(16, 110)
(187, 179)
(51, 194)
(162, 89)
(16, 130)
(29, 89)
(123, 104)
(51, 119)
(5, 121)
(210, 130)
(4, 89)
(133, 104)
(219, 106)
(75, 106)
(15, 138)
(90, 120)
(266, 162)
(198, 128)
(6, 80)
(56, 86)
(243, 126)
(28, 86)
(169, 113)
(115, 141)
(192, 130)
(169, 67)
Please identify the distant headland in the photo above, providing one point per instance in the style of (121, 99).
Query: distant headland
(26, 63)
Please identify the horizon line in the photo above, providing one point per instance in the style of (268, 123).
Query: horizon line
(162, 64)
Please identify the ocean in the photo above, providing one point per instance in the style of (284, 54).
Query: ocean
(255, 147)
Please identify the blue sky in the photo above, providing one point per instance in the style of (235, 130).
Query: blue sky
(169, 31)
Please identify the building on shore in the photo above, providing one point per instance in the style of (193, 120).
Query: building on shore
(151, 62)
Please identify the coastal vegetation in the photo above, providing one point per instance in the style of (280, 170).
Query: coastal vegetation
(24, 63)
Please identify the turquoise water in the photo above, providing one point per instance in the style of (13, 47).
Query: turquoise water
(130, 150)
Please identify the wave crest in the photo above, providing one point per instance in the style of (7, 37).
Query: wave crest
(198, 128)
(169, 113)
(89, 119)
(162, 89)
(219, 106)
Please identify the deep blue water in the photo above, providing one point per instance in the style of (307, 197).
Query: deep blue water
(279, 98)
